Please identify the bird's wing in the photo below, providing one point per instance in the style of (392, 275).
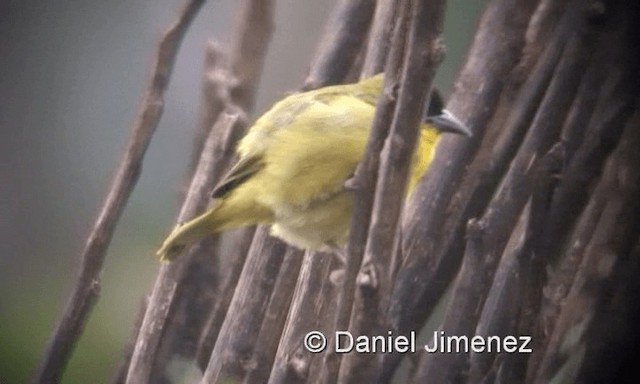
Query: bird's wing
(243, 169)
(366, 91)
(313, 105)
(257, 141)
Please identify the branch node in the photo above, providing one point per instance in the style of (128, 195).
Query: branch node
(438, 50)
(337, 277)
(353, 183)
(299, 364)
(476, 229)
(367, 279)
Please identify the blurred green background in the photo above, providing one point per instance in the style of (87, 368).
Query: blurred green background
(71, 76)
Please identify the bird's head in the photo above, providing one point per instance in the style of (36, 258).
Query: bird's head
(442, 119)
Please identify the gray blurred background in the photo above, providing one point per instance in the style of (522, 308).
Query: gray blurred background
(71, 76)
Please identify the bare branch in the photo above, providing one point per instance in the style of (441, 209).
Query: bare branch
(275, 318)
(511, 308)
(363, 182)
(231, 354)
(162, 297)
(379, 37)
(611, 243)
(313, 295)
(500, 311)
(219, 144)
(241, 245)
(532, 265)
(225, 82)
(502, 213)
(344, 34)
(214, 93)
(591, 142)
(424, 54)
(426, 273)
(603, 131)
(86, 291)
(253, 28)
(120, 373)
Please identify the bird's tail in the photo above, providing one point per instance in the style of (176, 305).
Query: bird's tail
(188, 233)
(223, 214)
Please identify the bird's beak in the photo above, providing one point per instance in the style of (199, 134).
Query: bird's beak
(447, 122)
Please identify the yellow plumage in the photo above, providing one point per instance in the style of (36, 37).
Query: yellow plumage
(292, 166)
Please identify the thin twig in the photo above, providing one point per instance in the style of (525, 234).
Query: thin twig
(86, 291)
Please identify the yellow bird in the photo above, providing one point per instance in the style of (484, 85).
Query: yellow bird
(293, 164)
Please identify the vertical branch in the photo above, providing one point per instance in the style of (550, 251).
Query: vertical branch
(252, 31)
(219, 143)
(231, 354)
(214, 93)
(562, 276)
(263, 356)
(364, 181)
(502, 213)
(512, 306)
(532, 263)
(424, 54)
(571, 218)
(86, 291)
(612, 240)
(241, 244)
(500, 310)
(120, 373)
(379, 37)
(163, 295)
(602, 132)
(344, 34)
(475, 98)
(313, 293)
(228, 81)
